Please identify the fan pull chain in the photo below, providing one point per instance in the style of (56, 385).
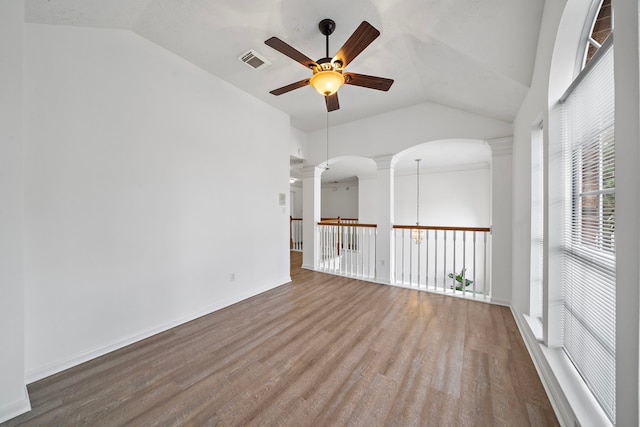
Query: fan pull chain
(418, 191)
(327, 168)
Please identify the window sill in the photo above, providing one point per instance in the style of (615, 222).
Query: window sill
(535, 325)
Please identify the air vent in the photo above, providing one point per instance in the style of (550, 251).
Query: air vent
(254, 60)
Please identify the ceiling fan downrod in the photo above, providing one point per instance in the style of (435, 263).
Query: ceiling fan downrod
(327, 26)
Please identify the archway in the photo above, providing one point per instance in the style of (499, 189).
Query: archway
(340, 190)
(455, 183)
(442, 211)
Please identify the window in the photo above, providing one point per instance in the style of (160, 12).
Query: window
(598, 31)
(588, 310)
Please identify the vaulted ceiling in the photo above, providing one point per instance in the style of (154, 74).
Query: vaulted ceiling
(473, 55)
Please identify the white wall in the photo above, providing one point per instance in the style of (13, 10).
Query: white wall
(134, 159)
(13, 397)
(298, 143)
(393, 132)
(535, 108)
(339, 200)
(627, 135)
(367, 200)
(459, 198)
(297, 199)
(501, 220)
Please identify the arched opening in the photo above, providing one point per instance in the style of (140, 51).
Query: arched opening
(442, 207)
(454, 183)
(340, 193)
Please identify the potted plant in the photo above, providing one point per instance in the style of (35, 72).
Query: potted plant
(462, 282)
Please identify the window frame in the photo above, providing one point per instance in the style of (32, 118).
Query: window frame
(586, 40)
(574, 250)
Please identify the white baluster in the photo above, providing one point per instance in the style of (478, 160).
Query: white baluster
(464, 262)
(426, 258)
(475, 270)
(485, 288)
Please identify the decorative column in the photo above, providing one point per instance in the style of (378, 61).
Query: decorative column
(367, 198)
(385, 217)
(501, 210)
(310, 215)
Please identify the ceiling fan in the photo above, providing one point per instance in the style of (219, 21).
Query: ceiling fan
(328, 74)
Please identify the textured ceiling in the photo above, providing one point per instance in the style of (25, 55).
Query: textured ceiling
(474, 55)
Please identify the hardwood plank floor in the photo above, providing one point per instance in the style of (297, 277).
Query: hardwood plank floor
(320, 351)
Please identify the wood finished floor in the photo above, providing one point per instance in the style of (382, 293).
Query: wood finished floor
(320, 351)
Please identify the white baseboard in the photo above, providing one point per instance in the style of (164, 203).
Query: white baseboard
(13, 409)
(500, 301)
(60, 365)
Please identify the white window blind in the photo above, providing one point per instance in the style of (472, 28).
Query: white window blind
(588, 277)
(537, 223)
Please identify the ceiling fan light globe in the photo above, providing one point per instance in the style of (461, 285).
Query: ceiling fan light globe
(327, 82)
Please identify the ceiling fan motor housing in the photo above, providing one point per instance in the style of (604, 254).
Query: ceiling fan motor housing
(328, 64)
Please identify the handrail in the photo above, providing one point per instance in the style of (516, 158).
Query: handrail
(338, 219)
(336, 224)
(432, 227)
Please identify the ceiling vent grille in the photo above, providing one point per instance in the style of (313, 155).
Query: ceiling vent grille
(254, 60)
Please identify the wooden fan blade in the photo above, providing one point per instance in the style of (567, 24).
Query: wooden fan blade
(332, 102)
(291, 52)
(289, 88)
(371, 82)
(359, 40)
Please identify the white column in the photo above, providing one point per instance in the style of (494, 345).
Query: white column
(13, 393)
(627, 134)
(501, 207)
(367, 198)
(385, 210)
(310, 215)
(553, 236)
